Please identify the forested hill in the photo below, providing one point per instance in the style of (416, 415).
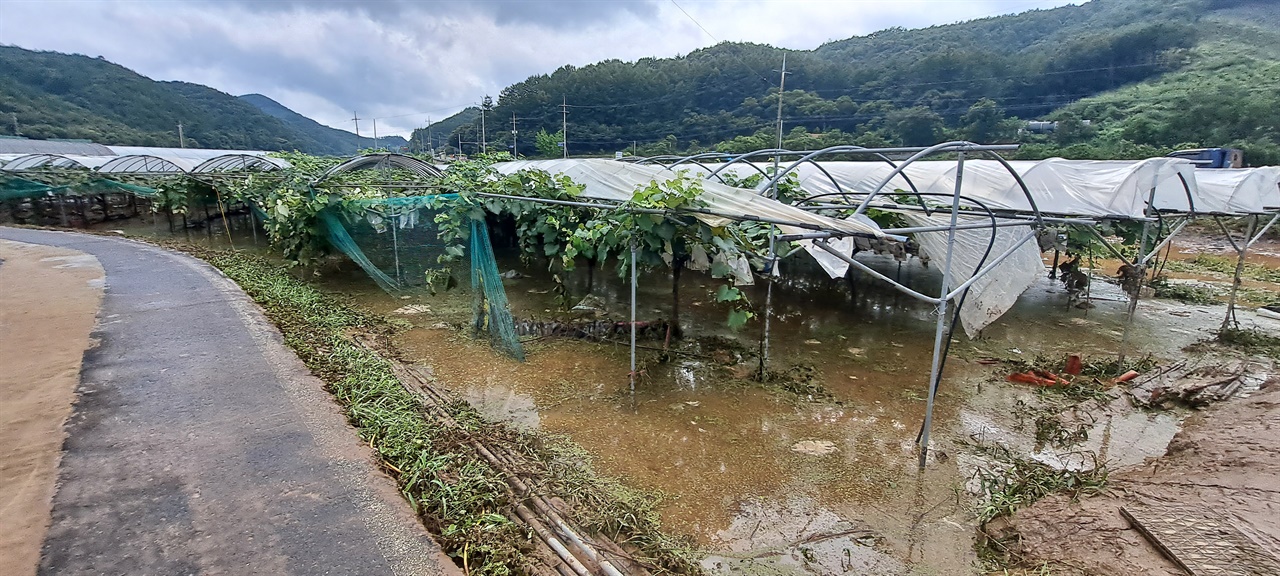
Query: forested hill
(53, 95)
(332, 140)
(978, 80)
(437, 134)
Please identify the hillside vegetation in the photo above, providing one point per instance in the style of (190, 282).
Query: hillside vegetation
(1140, 71)
(329, 140)
(53, 95)
(438, 134)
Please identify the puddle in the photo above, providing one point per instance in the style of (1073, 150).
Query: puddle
(795, 535)
(77, 261)
(501, 404)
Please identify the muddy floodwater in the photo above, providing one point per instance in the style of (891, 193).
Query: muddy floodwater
(774, 481)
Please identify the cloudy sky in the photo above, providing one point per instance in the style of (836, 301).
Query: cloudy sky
(402, 61)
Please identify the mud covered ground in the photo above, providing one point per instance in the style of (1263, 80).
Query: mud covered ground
(1225, 460)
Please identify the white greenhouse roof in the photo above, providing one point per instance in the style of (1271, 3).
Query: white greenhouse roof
(1245, 190)
(1084, 188)
(35, 161)
(616, 181)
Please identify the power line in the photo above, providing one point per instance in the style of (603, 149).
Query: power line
(713, 37)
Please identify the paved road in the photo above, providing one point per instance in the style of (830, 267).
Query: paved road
(200, 444)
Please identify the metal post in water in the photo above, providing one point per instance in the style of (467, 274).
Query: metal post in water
(940, 329)
(773, 230)
(395, 247)
(1140, 262)
(633, 317)
(1241, 250)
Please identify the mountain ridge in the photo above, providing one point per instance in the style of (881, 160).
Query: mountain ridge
(53, 95)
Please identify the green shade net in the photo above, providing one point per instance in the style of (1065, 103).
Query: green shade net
(15, 188)
(395, 242)
(104, 185)
(492, 313)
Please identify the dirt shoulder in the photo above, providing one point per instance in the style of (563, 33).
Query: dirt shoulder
(49, 298)
(1225, 461)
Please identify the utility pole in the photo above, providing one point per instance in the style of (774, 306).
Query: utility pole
(355, 117)
(515, 154)
(14, 115)
(182, 140)
(564, 125)
(773, 230)
(484, 142)
(375, 133)
(782, 86)
(431, 142)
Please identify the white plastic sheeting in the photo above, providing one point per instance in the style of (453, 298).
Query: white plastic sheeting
(1085, 188)
(140, 160)
(995, 292)
(1243, 190)
(146, 164)
(611, 180)
(991, 295)
(193, 156)
(1271, 198)
(36, 161)
(1088, 188)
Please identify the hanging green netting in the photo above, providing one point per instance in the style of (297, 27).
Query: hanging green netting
(105, 185)
(491, 311)
(14, 188)
(395, 242)
(339, 238)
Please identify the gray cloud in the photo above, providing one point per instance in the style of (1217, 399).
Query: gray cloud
(555, 14)
(401, 61)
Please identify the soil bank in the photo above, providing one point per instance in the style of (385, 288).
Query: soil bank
(49, 298)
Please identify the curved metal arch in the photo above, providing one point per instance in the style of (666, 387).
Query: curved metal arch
(34, 161)
(954, 146)
(140, 164)
(656, 159)
(697, 157)
(239, 163)
(1191, 203)
(382, 160)
(834, 182)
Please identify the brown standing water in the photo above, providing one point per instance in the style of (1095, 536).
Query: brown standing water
(767, 480)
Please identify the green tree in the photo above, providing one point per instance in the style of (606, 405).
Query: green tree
(985, 123)
(549, 145)
(916, 126)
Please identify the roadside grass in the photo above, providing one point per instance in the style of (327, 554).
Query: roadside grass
(463, 500)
